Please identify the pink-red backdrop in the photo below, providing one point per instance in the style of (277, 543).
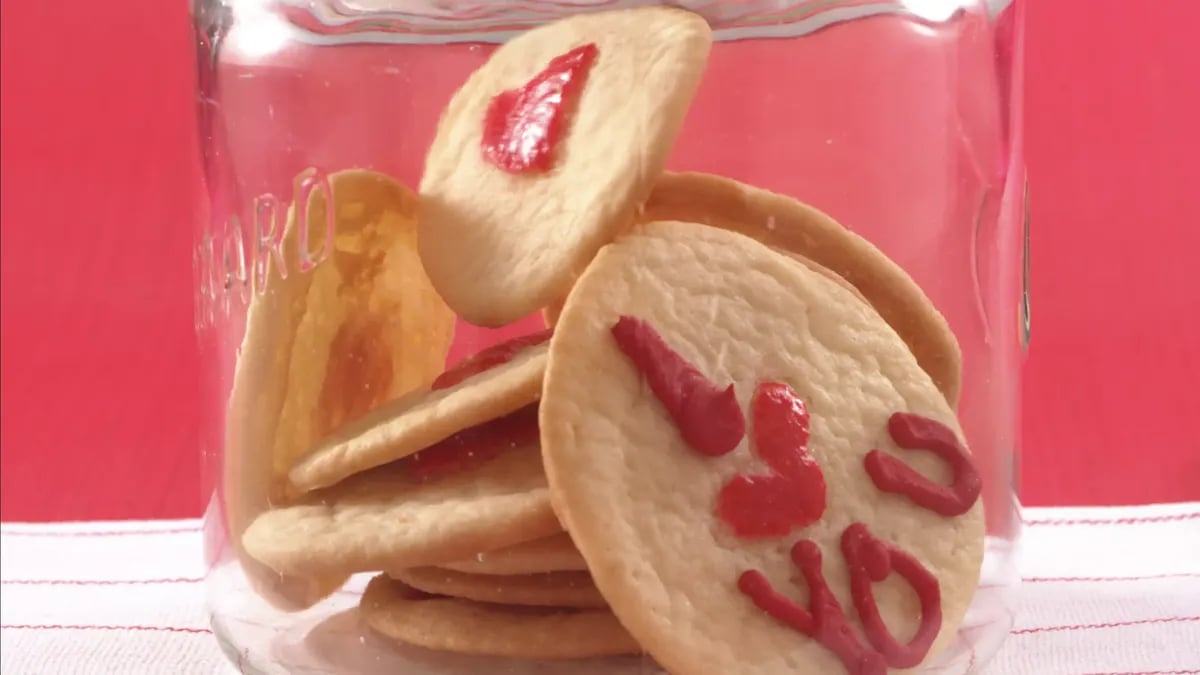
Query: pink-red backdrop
(99, 181)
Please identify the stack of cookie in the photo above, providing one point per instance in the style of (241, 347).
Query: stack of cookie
(444, 491)
(325, 346)
(736, 450)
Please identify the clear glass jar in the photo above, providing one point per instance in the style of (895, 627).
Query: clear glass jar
(898, 119)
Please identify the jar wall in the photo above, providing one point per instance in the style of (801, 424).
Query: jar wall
(899, 120)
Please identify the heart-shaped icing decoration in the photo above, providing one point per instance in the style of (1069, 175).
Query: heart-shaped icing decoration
(523, 125)
(793, 494)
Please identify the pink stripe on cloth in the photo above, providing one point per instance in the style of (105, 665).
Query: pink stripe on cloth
(1071, 580)
(1175, 517)
(1153, 672)
(1111, 624)
(98, 582)
(126, 533)
(162, 629)
(116, 528)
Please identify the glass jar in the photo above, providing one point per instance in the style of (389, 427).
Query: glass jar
(340, 268)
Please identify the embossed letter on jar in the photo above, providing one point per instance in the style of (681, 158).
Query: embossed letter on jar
(621, 337)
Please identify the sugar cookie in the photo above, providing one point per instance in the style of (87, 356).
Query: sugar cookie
(556, 553)
(401, 613)
(708, 528)
(546, 152)
(785, 223)
(545, 589)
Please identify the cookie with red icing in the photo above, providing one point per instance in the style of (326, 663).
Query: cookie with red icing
(480, 406)
(435, 477)
(790, 225)
(387, 518)
(546, 152)
(761, 476)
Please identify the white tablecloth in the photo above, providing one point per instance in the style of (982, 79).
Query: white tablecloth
(1107, 590)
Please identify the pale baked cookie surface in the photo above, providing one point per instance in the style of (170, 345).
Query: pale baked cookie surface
(556, 553)
(501, 243)
(401, 613)
(383, 519)
(546, 589)
(647, 509)
(790, 225)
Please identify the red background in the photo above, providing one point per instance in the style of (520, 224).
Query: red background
(100, 181)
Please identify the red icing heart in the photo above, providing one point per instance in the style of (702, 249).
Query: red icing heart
(523, 125)
(793, 495)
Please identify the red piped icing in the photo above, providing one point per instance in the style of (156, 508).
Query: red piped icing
(475, 445)
(914, 432)
(823, 621)
(871, 560)
(489, 358)
(523, 126)
(791, 497)
(708, 417)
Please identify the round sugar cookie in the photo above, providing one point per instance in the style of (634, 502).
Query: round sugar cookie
(385, 519)
(707, 535)
(546, 152)
(545, 589)
(556, 553)
(401, 613)
(508, 382)
(363, 326)
(787, 224)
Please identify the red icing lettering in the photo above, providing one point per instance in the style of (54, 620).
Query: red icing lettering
(522, 126)
(794, 494)
(489, 358)
(914, 432)
(823, 621)
(871, 560)
(708, 417)
(476, 445)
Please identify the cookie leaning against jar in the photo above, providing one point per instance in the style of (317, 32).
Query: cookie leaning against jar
(548, 149)
(726, 433)
(326, 345)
